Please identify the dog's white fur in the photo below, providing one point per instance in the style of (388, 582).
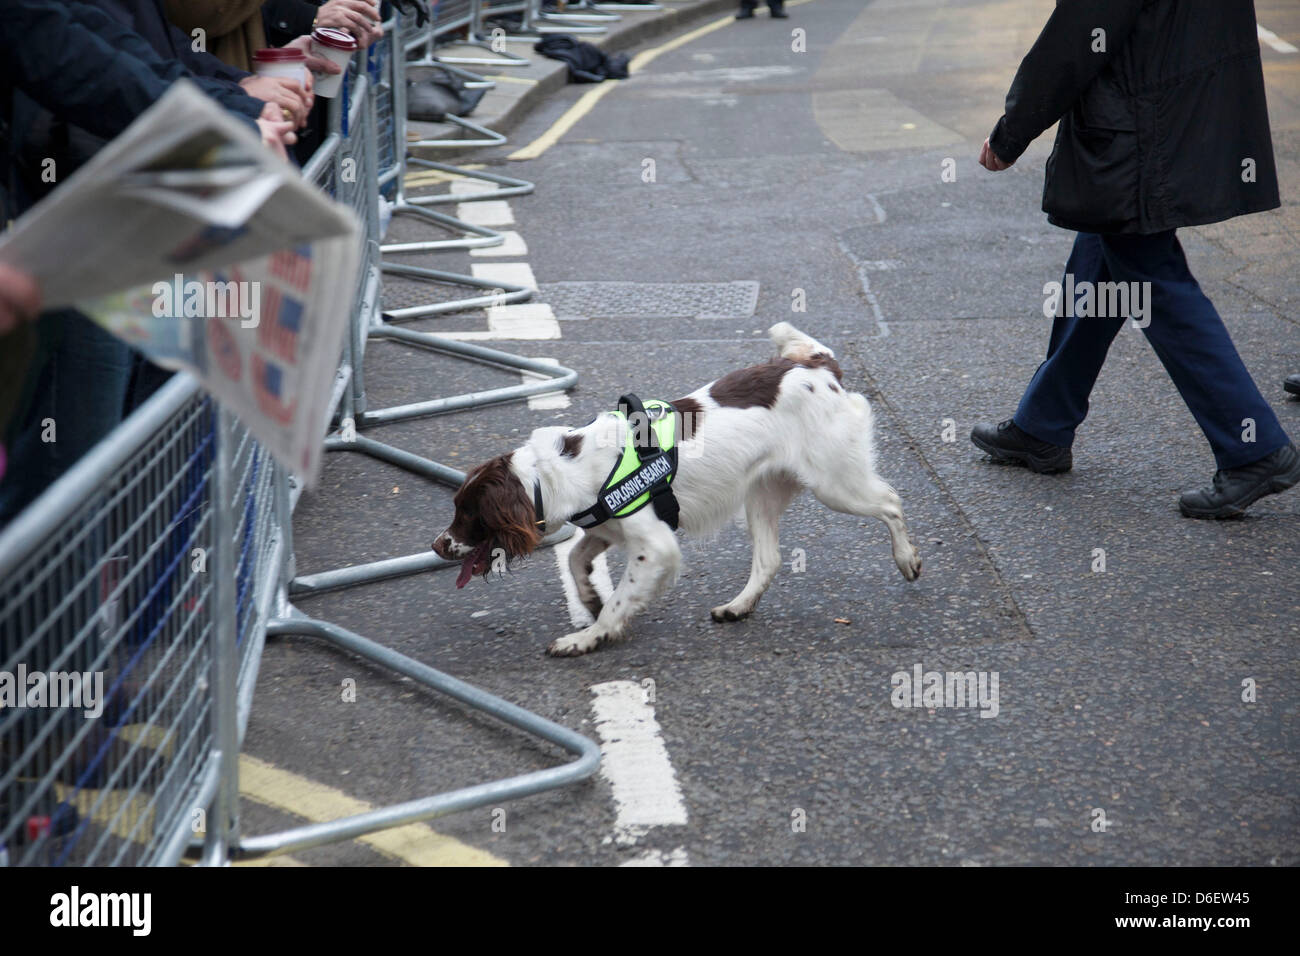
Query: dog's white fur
(756, 459)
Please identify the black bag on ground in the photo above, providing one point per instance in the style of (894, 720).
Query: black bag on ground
(587, 63)
(432, 93)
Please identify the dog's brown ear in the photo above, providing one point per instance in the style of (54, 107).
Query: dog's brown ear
(508, 513)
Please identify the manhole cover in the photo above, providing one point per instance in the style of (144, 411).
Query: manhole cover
(668, 300)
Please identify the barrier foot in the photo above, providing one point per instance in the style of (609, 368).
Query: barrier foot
(487, 137)
(502, 58)
(480, 237)
(585, 752)
(509, 185)
(502, 293)
(552, 378)
(311, 584)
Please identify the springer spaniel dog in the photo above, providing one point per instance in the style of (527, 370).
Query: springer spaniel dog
(753, 439)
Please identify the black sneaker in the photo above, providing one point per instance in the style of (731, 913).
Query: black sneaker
(1236, 489)
(1009, 445)
(1292, 384)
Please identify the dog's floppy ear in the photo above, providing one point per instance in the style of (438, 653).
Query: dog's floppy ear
(507, 511)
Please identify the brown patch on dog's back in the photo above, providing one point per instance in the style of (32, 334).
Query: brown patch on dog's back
(759, 384)
(750, 387)
(690, 417)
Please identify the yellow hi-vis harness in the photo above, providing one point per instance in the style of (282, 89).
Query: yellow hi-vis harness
(644, 471)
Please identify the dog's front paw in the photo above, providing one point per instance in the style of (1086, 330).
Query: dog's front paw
(575, 644)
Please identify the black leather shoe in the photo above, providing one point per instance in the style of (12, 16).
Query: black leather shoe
(745, 15)
(1008, 445)
(1292, 384)
(780, 15)
(1236, 489)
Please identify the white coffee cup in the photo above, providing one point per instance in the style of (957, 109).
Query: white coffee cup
(337, 46)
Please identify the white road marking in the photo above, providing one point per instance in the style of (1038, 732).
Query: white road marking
(635, 761)
(528, 320)
(1275, 41)
(506, 273)
(579, 615)
(675, 857)
(544, 400)
(467, 186)
(513, 246)
(486, 212)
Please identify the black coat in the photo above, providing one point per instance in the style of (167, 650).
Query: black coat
(1167, 127)
(72, 63)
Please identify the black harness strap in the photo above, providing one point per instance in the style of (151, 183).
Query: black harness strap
(646, 444)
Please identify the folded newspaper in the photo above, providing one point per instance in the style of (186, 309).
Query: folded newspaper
(188, 239)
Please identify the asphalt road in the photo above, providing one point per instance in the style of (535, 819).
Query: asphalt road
(820, 170)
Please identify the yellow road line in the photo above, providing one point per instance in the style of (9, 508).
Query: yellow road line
(587, 102)
(427, 177)
(415, 843)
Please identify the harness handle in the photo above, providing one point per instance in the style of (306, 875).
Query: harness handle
(630, 405)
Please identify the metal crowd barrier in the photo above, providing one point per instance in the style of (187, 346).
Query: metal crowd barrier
(162, 560)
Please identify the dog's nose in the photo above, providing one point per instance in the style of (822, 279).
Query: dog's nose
(440, 545)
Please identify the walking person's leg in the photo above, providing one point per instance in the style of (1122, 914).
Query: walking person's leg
(747, 8)
(1056, 400)
(1254, 455)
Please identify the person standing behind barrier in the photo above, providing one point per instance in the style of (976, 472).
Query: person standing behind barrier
(1163, 124)
(776, 9)
(83, 67)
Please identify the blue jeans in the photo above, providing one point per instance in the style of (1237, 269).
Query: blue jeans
(1186, 333)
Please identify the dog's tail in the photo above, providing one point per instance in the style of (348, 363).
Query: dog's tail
(801, 348)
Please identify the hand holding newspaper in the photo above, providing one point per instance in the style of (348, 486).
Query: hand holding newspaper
(188, 239)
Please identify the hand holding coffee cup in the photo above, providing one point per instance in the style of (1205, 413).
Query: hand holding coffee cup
(337, 47)
(359, 17)
(293, 102)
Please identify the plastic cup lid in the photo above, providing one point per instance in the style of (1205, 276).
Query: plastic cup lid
(279, 55)
(337, 39)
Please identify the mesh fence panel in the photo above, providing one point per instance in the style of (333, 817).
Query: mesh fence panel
(119, 592)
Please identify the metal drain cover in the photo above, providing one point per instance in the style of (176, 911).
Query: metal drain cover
(666, 300)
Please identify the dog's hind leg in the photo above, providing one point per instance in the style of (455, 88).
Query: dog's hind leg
(873, 498)
(767, 499)
(581, 556)
(653, 559)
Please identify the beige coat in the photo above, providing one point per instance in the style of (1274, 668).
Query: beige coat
(233, 27)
